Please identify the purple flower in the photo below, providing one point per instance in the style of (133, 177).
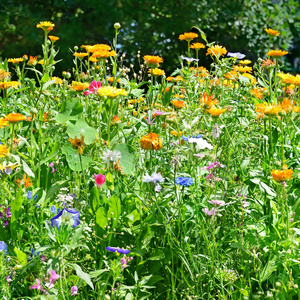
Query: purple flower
(66, 215)
(158, 112)
(29, 195)
(150, 122)
(209, 212)
(217, 202)
(155, 177)
(53, 278)
(74, 290)
(7, 212)
(118, 250)
(51, 165)
(38, 286)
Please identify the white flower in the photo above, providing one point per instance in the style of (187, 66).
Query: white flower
(111, 156)
(201, 143)
(155, 177)
(216, 131)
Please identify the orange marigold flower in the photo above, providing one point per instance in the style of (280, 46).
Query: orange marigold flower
(45, 25)
(25, 180)
(188, 36)
(9, 84)
(15, 60)
(216, 50)
(249, 76)
(197, 46)
(258, 92)
(93, 59)
(96, 48)
(272, 32)
(288, 105)
(4, 75)
(277, 53)
(3, 151)
(57, 80)
(179, 96)
(32, 60)
(282, 175)
(286, 78)
(178, 103)
(104, 54)
(116, 120)
(151, 141)
(216, 112)
(175, 133)
(111, 79)
(14, 118)
(80, 54)
(156, 72)
(207, 101)
(267, 109)
(78, 86)
(296, 80)
(152, 60)
(232, 75)
(268, 63)
(53, 38)
(77, 143)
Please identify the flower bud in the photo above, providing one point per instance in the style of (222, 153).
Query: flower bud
(117, 25)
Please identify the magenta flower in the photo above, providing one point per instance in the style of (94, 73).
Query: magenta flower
(74, 290)
(93, 88)
(38, 286)
(100, 179)
(209, 212)
(217, 202)
(124, 263)
(53, 278)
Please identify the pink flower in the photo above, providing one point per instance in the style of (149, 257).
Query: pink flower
(93, 88)
(74, 290)
(209, 212)
(100, 179)
(217, 202)
(38, 286)
(158, 112)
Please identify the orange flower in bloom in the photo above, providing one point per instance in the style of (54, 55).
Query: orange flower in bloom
(77, 143)
(178, 103)
(104, 54)
(258, 92)
(296, 80)
(272, 32)
(175, 133)
(282, 175)
(249, 76)
(197, 46)
(80, 54)
(277, 53)
(286, 78)
(232, 75)
(32, 60)
(288, 105)
(78, 86)
(3, 123)
(242, 69)
(267, 109)
(156, 72)
(216, 50)
(53, 38)
(96, 48)
(207, 101)
(4, 75)
(9, 84)
(14, 118)
(25, 180)
(188, 36)
(151, 141)
(216, 112)
(15, 60)
(152, 60)
(116, 120)
(179, 96)
(45, 25)
(111, 79)
(93, 59)
(3, 151)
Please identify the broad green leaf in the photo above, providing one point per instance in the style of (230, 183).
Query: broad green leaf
(109, 180)
(101, 218)
(268, 269)
(21, 256)
(114, 211)
(82, 128)
(16, 205)
(73, 158)
(84, 276)
(94, 198)
(71, 110)
(127, 158)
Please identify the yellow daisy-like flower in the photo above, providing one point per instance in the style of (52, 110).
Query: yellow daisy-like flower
(245, 62)
(277, 53)
(53, 38)
(4, 75)
(79, 86)
(3, 123)
(286, 78)
(32, 60)
(45, 25)
(104, 54)
(111, 92)
(96, 48)
(282, 175)
(175, 133)
(14, 118)
(9, 84)
(216, 50)
(296, 80)
(216, 112)
(258, 92)
(267, 109)
(242, 69)
(80, 54)
(57, 80)
(188, 36)
(197, 46)
(3, 151)
(111, 79)
(151, 141)
(272, 32)
(232, 75)
(289, 106)
(249, 76)
(156, 72)
(15, 60)
(93, 59)
(178, 103)
(208, 101)
(152, 60)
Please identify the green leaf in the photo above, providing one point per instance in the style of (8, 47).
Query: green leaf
(84, 276)
(268, 190)
(158, 255)
(97, 273)
(150, 280)
(114, 209)
(21, 256)
(127, 158)
(16, 205)
(71, 110)
(101, 218)
(82, 128)
(94, 198)
(134, 216)
(109, 180)
(27, 169)
(73, 158)
(268, 269)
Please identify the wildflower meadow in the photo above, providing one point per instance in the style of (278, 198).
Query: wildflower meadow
(124, 182)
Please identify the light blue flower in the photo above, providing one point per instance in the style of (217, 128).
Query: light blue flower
(237, 55)
(3, 247)
(66, 215)
(184, 181)
(29, 195)
(189, 58)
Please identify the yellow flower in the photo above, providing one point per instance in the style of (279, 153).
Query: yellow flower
(78, 86)
(111, 79)
(15, 60)
(277, 53)
(45, 25)
(4, 75)
(9, 84)
(272, 32)
(14, 118)
(249, 76)
(197, 46)
(152, 60)
(104, 54)
(178, 103)
(296, 80)
(175, 133)
(3, 123)
(77, 143)
(80, 54)
(216, 112)
(207, 101)
(25, 180)
(216, 50)
(156, 72)
(32, 60)
(111, 92)
(96, 48)
(93, 59)
(258, 92)
(245, 62)
(282, 175)
(57, 80)
(288, 105)
(267, 109)
(151, 141)
(286, 78)
(53, 38)
(3, 151)
(242, 69)
(188, 36)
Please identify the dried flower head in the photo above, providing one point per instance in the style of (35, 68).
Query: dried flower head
(77, 143)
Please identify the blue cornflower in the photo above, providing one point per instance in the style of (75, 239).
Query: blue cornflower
(66, 215)
(53, 209)
(184, 181)
(3, 247)
(118, 250)
(29, 195)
